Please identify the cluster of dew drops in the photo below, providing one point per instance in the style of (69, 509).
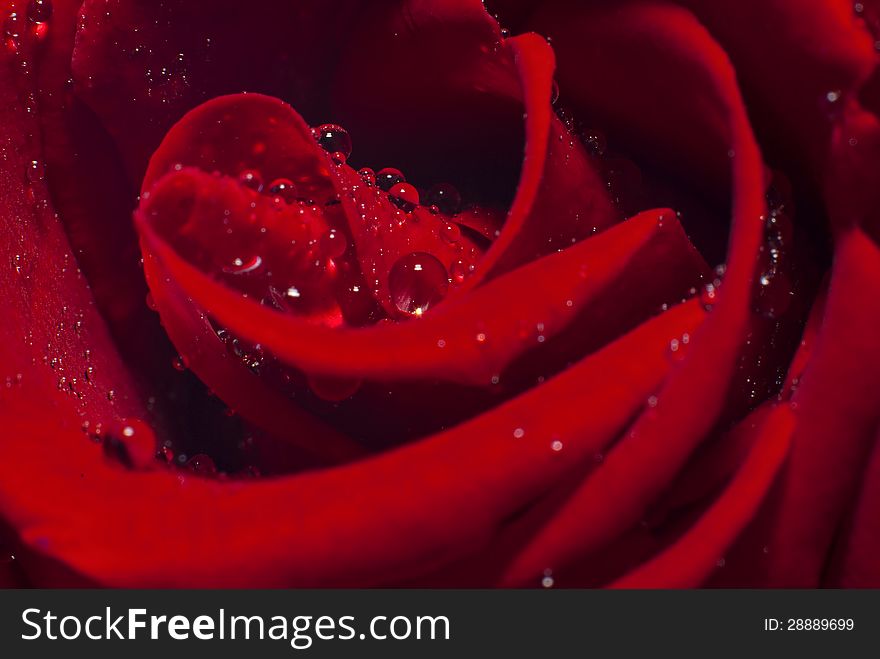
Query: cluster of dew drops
(417, 281)
(33, 23)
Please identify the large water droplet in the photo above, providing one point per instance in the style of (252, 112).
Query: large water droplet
(283, 189)
(460, 270)
(333, 244)
(368, 176)
(203, 465)
(417, 282)
(39, 11)
(334, 139)
(450, 232)
(404, 196)
(252, 179)
(389, 177)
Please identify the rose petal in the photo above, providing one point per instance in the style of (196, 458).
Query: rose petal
(615, 495)
(51, 328)
(857, 566)
(116, 530)
(836, 429)
(693, 557)
(481, 331)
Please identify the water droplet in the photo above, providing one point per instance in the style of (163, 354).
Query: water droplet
(460, 270)
(389, 177)
(777, 231)
(556, 445)
(12, 34)
(367, 175)
(773, 295)
(202, 464)
(519, 433)
(283, 189)
(333, 244)
(252, 179)
(450, 232)
(404, 196)
(595, 142)
(334, 139)
(554, 93)
(338, 158)
(417, 282)
(131, 443)
(35, 171)
(39, 11)
(445, 197)
(165, 454)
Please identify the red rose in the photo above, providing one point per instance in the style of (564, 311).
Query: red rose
(503, 361)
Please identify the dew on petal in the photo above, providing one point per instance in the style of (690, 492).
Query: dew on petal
(417, 282)
(202, 464)
(773, 294)
(404, 196)
(389, 177)
(165, 454)
(460, 270)
(283, 189)
(450, 232)
(334, 139)
(333, 244)
(132, 443)
(39, 11)
(251, 178)
(445, 197)
(595, 142)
